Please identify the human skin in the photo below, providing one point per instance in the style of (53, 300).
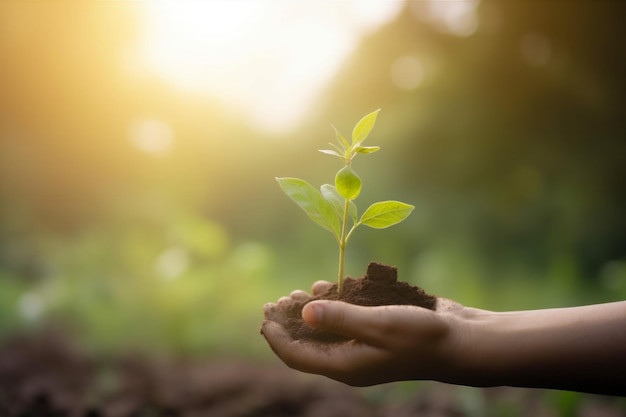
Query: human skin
(575, 348)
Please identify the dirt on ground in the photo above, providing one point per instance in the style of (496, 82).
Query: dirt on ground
(45, 375)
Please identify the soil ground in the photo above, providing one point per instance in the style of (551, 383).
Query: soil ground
(46, 376)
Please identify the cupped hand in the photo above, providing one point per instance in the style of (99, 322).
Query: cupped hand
(387, 343)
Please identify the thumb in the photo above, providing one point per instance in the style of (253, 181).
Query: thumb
(342, 318)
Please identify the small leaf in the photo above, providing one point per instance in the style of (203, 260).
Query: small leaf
(385, 213)
(343, 141)
(331, 194)
(364, 127)
(330, 152)
(312, 202)
(366, 149)
(348, 184)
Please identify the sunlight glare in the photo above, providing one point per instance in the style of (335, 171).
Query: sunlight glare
(268, 59)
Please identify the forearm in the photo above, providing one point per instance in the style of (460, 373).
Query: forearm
(578, 348)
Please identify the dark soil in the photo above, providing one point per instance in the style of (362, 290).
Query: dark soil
(45, 376)
(379, 286)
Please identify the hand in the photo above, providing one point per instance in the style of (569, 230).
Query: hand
(389, 343)
(574, 348)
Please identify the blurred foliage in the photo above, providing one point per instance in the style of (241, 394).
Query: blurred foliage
(512, 148)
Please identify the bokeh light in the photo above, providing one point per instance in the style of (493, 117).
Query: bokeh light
(407, 72)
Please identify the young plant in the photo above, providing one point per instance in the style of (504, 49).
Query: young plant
(333, 207)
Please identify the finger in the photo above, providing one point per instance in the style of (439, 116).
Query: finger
(366, 324)
(320, 287)
(299, 295)
(273, 312)
(284, 301)
(268, 307)
(277, 337)
(381, 326)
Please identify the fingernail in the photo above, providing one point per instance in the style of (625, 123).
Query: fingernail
(313, 314)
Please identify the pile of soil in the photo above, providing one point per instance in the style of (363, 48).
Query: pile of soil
(378, 287)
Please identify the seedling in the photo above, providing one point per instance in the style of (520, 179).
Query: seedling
(333, 207)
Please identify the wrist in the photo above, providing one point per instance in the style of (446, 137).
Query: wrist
(471, 355)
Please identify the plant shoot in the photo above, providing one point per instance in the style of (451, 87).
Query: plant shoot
(333, 207)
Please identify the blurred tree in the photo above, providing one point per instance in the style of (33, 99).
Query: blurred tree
(514, 136)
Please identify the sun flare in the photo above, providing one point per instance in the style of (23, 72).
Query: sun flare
(266, 59)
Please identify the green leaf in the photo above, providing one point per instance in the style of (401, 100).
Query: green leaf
(366, 149)
(312, 202)
(348, 184)
(385, 213)
(330, 152)
(343, 141)
(364, 127)
(331, 194)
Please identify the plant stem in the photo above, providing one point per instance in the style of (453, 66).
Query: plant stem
(342, 251)
(342, 246)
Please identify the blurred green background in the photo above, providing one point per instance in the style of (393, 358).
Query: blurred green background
(139, 142)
